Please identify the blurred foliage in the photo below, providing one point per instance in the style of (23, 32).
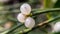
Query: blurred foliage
(9, 11)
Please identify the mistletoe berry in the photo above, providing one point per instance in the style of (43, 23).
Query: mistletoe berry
(30, 22)
(25, 9)
(21, 17)
(56, 27)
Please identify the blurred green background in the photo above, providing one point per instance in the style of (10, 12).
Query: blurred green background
(9, 10)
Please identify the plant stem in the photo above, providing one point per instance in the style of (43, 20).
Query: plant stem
(40, 25)
(17, 26)
(42, 11)
(46, 11)
(34, 10)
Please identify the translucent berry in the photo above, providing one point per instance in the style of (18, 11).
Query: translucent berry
(56, 27)
(30, 22)
(21, 18)
(25, 9)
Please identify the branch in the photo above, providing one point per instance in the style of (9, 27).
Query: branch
(14, 28)
(45, 10)
(25, 31)
(34, 11)
(39, 11)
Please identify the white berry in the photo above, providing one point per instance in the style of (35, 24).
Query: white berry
(21, 18)
(30, 22)
(56, 27)
(25, 9)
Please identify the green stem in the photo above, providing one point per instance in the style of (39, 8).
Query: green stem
(34, 10)
(46, 11)
(43, 11)
(48, 21)
(47, 4)
(14, 28)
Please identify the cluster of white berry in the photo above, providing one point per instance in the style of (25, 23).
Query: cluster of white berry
(22, 17)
